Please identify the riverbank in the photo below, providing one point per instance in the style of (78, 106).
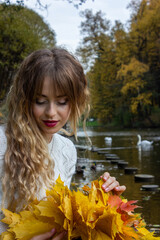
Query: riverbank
(126, 121)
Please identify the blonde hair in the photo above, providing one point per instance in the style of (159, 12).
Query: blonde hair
(27, 161)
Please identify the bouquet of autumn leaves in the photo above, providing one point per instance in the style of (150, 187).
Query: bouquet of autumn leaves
(89, 214)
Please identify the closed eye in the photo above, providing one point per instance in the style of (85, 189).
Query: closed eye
(62, 102)
(40, 102)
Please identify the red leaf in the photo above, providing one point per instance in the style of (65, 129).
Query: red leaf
(114, 201)
(128, 207)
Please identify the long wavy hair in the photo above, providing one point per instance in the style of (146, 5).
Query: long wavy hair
(27, 162)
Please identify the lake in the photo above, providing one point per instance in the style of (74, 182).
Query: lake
(124, 146)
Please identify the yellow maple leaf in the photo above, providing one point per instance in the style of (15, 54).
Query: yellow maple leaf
(110, 222)
(146, 234)
(98, 235)
(7, 236)
(66, 207)
(28, 229)
(10, 218)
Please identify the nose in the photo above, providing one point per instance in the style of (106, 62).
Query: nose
(51, 110)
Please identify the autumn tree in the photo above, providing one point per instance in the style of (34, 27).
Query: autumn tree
(93, 30)
(124, 64)
(103, 84)
(133, 87)
(98, 45)
(21, 32)
(145, 44)
(121, 43)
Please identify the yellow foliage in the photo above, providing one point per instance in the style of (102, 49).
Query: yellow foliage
(134, 70)
(88, 213)
(144, 99)
(132, 86)
(134, 83)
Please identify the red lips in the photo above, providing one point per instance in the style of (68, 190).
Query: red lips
(50, 123)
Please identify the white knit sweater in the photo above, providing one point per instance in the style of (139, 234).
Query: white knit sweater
(62, 151)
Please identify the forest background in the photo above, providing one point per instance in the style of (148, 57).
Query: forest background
(122, 64)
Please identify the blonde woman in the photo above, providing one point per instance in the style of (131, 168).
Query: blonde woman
(49, 90)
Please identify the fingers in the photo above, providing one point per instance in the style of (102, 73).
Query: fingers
(60, 236)
(105, 176)
(110, 183)
(45, 236)
(119, 190)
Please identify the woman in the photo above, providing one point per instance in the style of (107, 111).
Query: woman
(49, 90)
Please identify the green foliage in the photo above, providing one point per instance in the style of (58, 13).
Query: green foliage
(93, 29)
(90, 124)
(21, 32)
(123, 117)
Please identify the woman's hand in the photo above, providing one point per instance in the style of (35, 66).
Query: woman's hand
(110, 183)
(50, 235)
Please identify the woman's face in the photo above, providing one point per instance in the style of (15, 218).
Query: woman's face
(50, 112)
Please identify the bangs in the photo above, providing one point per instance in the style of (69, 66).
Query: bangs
(37, 87)
(61, 84)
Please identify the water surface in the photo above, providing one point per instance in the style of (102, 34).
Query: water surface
(124, 145)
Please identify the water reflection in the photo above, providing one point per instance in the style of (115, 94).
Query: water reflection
(108, 141)
(124, 145)
(144, 151)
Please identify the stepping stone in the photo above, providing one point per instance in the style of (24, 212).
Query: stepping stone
(130, 170)
(155, 229)
(101, 152)
(82, 160)
(122, 164)
(82, 149)
(143, 178)
(111, 154)
(111, 157)
(116, 161)
(150, 187)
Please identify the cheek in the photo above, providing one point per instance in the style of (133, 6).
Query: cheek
(36, 111)
(67, 112)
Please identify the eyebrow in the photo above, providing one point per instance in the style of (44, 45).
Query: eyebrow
(41, 95)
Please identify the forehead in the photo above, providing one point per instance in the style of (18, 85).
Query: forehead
(49, 87)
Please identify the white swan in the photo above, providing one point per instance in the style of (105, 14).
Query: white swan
(144, 142)
(108, 139)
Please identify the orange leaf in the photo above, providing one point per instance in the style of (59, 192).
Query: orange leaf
(114, 201)
(128, 207)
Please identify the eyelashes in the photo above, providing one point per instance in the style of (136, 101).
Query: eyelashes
(62, 103)
(57, 102)
(39, 102)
